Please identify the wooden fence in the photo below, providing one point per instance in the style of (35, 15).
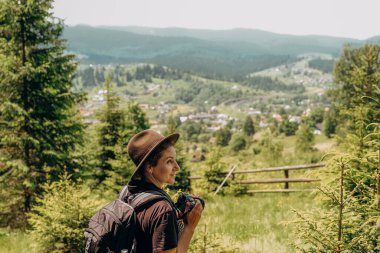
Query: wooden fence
(286, 180)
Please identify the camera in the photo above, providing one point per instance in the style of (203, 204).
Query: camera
(184, 198)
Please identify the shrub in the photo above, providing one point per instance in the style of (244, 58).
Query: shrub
(60, 216)
(238, 143)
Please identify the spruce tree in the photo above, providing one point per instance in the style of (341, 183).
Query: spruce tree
(62, 214)
(356, 77)
(136, 119)
(117, 126)
(39, 127)
(112, 125)
(248, 128)
(352, 178)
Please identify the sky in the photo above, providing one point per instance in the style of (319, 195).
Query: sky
(358, 19)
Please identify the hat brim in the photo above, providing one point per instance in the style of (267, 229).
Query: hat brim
(172, 139)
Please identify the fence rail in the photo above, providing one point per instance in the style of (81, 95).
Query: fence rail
(286, 180)
(279, 180)
(280, 190)
(294, 167)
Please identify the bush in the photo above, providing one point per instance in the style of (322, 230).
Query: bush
(59, 218)
(238, 143)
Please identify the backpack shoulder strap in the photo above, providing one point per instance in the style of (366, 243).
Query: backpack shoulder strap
(139, 200)
(123, 193)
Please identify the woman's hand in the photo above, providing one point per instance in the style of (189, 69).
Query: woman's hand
(193, 217)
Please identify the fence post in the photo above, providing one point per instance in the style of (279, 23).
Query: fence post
(286, 173)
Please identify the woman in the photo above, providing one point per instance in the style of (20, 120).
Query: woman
(155, 158)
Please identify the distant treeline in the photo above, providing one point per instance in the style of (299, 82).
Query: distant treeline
(267, 84)
(326, 66)
(222, 67)
(95, 75)
(199, 92)
(212, 66)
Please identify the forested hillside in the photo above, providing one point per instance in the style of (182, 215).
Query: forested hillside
(214, 54)
(244, 100)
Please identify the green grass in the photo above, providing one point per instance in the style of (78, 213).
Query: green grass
(255, 223)
(14, 241)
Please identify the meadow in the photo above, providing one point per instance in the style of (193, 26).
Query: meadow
(251, 223)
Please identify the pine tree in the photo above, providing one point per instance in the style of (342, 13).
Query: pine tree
(116, 128)
(329, 123)
(39, 127)
(352, 189)
(248, 128)
(112, 125)
(136, 119)
(62, 214)
(356, 76)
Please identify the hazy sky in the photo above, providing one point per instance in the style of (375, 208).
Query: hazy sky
(343, 18)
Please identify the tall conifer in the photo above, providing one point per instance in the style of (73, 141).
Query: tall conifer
(39, 127)
(248, 128)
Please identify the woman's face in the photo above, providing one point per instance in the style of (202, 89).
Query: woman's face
(166, 169)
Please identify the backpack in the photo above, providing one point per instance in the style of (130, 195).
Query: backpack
(112, 228)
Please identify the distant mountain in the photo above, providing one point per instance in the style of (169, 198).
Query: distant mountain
(218, 54)
(269, 40)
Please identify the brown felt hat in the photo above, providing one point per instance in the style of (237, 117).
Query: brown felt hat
(141, 145)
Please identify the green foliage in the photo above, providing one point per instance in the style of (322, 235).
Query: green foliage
(357, 77)
(136, 118)
(199, 92)
(88, 77)
(38, 105)
(191, 130)
(223, 136)
(238, 143)
(60, 216)
(171, 126)
(117, 127)
(329, 123)
(214, 173)
(350, 222)
(267, 84)
(92, 76)
(204, 241)
(288, 128)
(112, 125)
(315, 117)
(305, 138)
(326, 66)
(352, 194)
(248, 127)
(271, 149)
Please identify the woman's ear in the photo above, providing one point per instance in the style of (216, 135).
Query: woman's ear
(149, 169)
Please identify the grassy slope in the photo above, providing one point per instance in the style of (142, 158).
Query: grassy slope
(256, 223)
(253, 223)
